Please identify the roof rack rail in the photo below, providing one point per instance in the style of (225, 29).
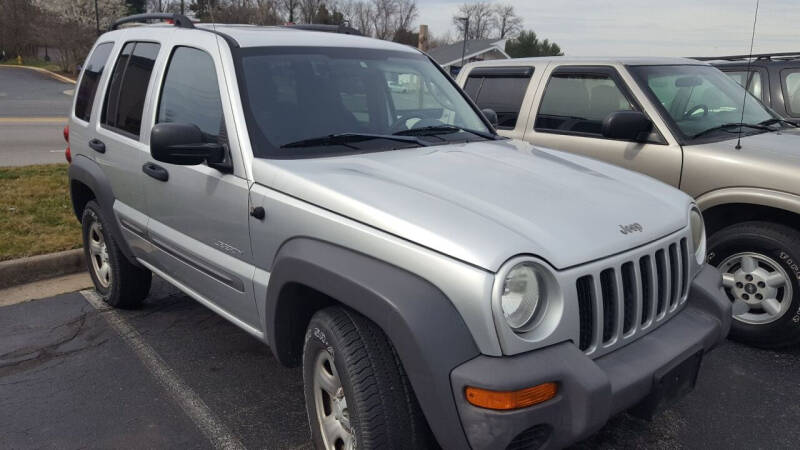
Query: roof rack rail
(342, 29)
(180, 20)
(755, 56)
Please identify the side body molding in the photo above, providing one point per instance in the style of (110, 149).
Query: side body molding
(89, 173)
(430, 336)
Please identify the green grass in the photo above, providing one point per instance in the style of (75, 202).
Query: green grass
(36, 215)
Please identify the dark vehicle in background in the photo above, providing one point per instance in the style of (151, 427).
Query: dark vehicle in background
(774, 78)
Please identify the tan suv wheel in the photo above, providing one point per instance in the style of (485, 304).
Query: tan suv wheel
(760, 265)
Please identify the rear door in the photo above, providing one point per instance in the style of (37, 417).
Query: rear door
(116, 140)
(503, 90)
(84, 114)
(199, 214)
(568, 114)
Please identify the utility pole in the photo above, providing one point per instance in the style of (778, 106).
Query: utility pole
(181, 7)
(464, 46)
(97, 17)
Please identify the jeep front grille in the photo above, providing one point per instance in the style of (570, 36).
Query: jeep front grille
(621, 302)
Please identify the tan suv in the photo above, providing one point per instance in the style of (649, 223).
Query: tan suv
(687, 124)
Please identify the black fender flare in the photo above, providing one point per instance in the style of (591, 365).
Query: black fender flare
(89, 173)
(425, 328)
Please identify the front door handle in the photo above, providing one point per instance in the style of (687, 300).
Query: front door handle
(155, 171)
(97, 145)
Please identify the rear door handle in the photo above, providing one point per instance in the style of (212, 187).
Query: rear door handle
(97, 145)
(155, 171)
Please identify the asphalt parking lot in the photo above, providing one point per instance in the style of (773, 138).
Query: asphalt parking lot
(173, 374)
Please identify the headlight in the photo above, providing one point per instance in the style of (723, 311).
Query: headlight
(521, 296)
(698, 234)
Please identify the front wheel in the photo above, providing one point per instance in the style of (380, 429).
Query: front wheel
(357, 394)
(760, 265)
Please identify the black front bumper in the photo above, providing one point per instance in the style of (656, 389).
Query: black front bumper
(589, 391)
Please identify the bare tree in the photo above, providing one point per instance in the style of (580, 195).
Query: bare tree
(407, 13)
(384, 13)
(309, 9)
(289, 9)
(507, 22)
(362, 17)
(481, 20)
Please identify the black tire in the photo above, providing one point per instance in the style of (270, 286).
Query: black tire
(127, 284)
(779, 243)
(382, 408)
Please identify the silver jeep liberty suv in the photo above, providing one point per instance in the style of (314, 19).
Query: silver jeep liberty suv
(437, 283)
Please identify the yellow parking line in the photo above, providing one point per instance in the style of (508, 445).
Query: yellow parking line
(7, 120)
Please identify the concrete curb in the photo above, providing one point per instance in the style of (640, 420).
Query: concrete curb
(40, 267)
(58, 77)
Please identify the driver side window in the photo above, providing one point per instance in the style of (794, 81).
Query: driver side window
(191, 94)
(577, 103)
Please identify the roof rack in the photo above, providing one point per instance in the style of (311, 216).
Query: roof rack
(342, 29)
(785, 55)
(180, 20)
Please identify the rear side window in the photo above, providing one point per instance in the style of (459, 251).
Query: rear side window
(578, 103)
(191, 94)
(127, 89)
(501, 89)
(90, 80)
(791, 91)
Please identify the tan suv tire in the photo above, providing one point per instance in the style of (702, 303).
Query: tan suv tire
(760, 265)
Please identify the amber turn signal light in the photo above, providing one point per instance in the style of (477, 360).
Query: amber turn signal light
(505, 400)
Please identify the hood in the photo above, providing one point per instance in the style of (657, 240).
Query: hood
(486, 202)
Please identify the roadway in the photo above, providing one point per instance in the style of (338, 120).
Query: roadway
(33, 112)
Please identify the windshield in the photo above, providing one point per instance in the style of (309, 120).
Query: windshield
(701, 101)
(312, 101)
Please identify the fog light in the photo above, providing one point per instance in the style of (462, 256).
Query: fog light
(505, 400)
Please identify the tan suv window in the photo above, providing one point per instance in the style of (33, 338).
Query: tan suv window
(792, 93)
(578, 103)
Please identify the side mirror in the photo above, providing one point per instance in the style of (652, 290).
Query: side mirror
(182, 144)
(490, 115)
(627, 125)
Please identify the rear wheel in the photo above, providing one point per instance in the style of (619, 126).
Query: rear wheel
(119, 283)
(357, 394)
(760, 265)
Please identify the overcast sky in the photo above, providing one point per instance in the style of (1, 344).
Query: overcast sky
(646, 27)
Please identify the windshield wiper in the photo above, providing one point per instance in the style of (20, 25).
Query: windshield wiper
(348, 138)
(728, 125)
(443, 129)
(773, 121)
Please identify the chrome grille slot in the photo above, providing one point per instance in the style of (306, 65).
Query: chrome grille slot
(631, 295)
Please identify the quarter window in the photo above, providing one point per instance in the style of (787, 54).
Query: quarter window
(128, 88)
(191, 93)
(502, 91)
(91, 78)
(578, 103)
(791, 92)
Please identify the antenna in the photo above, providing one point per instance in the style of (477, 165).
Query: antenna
(747, 78)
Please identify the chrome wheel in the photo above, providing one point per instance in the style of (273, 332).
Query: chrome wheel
(98, 253)
(761, 283)
(331, 405)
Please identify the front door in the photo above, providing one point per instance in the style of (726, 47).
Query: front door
(199, 214)
(569, 115)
